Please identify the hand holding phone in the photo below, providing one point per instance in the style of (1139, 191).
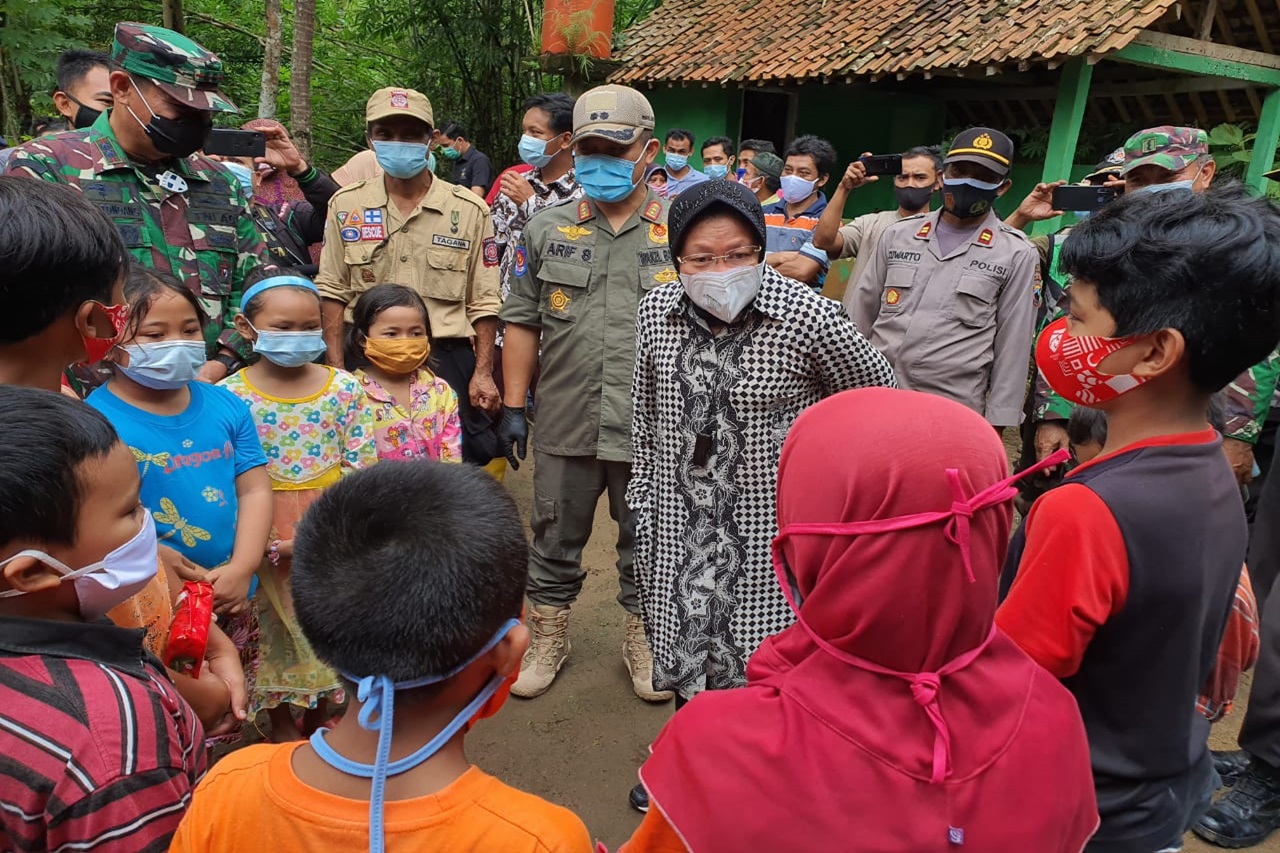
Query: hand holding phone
(235, 143)
(1089, 198)
(882, 164)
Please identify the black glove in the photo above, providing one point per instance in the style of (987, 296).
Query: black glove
(514, 429)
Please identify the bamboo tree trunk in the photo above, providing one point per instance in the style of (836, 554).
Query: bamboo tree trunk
(272, 51)
(304, 31)
(173, 18)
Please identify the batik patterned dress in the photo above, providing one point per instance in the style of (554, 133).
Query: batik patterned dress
(430, 428)
(711, 413)
(310, 442)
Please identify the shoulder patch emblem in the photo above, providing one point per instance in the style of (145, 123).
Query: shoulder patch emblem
(490, 252)
(986, 237)
(573, 232)
(653, 212)
(584, 210)
(342, 216)
(658, 234)
(522, 262)
(558, 300)
(924, 230)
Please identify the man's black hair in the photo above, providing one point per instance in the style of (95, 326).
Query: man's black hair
(251, 308)
(679, 134)
(1206, 264)
(391, 575)
(73, 65)
(371, 303)
(453, 130)
(142, 288)
(760, 146)
(933, 152)
(47, 437)
(557, 105)
(772, 184)
(1087, 426)
(822, 152)
(723, 141)
(50, 125)
(57, 251)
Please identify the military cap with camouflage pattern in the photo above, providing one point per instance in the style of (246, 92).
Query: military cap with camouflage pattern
(1172, 148)
(187, 72)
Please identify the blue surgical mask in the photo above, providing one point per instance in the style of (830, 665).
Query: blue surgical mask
(534, 151)
(1082, 215)
(164, 365)
(289, 349)
(606, 178)
(1173, 186)
(717, 170)
(796, 188)
(676, 161)
(403, 159)
(243, 174)
(377, 693)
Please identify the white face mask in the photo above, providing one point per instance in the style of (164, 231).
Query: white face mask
(119, 575)
(724, 295)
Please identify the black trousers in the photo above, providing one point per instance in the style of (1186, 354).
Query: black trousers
(1260, 733)
(454, 361)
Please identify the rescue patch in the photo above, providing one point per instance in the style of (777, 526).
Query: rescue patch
(558, 300)
(350, 235)
(490, 252)
(574, 232)
(522, 262)
(666, 276)
(892, 296)
(373, 232)
(985, 237)
(658, 234)
(924, 230)
(451, 242)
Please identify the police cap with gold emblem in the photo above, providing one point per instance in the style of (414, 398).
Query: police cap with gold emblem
(984, 146)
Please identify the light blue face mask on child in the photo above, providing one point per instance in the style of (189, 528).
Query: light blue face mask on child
(164, 365)
(289, 349)
(377, 694)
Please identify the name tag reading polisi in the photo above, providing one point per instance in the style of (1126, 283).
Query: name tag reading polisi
(451, 242)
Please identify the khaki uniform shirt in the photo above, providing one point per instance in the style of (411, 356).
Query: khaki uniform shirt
(959, 326)
(581, 283)
(858, 240)
(444, 250)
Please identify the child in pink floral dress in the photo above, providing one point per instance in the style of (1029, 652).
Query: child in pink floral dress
(415, 413)
(315, 425)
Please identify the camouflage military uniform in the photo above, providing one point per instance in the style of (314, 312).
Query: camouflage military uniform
(204, 235)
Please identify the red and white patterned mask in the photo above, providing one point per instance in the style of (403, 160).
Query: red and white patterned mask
(1069, 363)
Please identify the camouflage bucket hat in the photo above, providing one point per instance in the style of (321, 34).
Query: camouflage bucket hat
(186, 71)
(1172, 148)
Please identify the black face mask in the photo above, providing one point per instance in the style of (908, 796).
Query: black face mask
(171, 136)
(965, 201)
(913, 198)
(85, 116)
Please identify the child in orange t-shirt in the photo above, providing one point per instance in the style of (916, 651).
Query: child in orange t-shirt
(419, 616)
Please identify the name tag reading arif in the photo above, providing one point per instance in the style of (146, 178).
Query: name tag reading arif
(451, 242)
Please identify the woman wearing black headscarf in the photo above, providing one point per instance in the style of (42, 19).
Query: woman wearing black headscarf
(726, 358)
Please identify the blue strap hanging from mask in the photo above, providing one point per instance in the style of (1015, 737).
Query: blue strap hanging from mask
(377, 694)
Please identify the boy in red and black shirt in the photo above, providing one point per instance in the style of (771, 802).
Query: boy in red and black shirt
(1126, 573)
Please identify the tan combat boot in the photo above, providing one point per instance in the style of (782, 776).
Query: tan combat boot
(548, 650)
(639, 661)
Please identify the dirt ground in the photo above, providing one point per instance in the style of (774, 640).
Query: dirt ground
(581, 743)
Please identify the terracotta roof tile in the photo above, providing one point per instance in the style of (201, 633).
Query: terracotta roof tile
(719, 41)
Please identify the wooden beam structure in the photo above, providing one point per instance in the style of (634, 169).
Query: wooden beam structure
(1191, 56)
(1064, 133)
(1264, 144)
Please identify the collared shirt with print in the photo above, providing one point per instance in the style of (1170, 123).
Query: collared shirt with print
(444, 249)
(101, 752)
(429, 428)
(204, 235)
(711, 413)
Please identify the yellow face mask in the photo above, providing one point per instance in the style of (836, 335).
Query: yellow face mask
(397, 356)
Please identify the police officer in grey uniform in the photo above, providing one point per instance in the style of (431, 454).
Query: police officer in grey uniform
(579, 274)
(949, 296)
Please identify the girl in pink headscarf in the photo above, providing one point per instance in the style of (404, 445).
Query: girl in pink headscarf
(893, 716)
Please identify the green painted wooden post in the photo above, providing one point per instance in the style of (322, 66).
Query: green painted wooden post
(1264, 144)
(1068, 113)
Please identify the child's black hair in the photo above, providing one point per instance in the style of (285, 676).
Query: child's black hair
(371, 303)
(47, 437)
(251, 308)
(143, 286)
(1206, 264)
(391, 576)
(1087, 426)
(57, 251)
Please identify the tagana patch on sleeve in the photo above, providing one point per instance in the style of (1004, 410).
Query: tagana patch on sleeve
(490, 252)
